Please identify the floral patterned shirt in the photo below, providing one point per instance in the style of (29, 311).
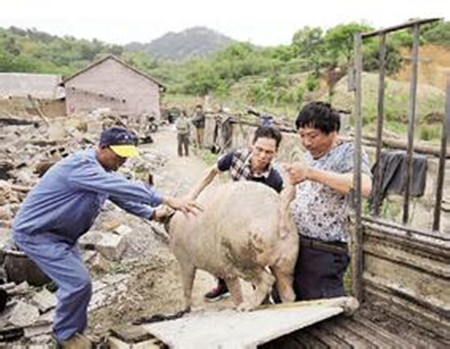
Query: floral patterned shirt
(319, 211)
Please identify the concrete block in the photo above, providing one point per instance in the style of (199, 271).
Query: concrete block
(149, 344)
(21, 289)
(44, 300)
(110, 224)
(23, 314)
(111, 246)
(47, 317)
(116, 343)
(88, 255)
(38, 330)
(89, 240)
(123, 230)
(131, 333)
(100, 264)
(43, 341)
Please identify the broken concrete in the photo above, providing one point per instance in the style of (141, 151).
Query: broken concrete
(44, 300)
(111, 246)
(37, 330)
(116, 343)
(99, 264)
(123, 230)
(27, 152)
(23, 314)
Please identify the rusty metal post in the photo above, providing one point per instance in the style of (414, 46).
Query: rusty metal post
(380, 116)
(357, 258)
(411, 119)
(441, 172)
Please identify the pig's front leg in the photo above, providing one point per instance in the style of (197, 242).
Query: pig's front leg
(263, 284)
(188, 275)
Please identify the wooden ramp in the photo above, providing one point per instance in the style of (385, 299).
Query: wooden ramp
(232, 329)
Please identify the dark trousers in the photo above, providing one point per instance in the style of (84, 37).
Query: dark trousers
(319, 273)
(183, 143)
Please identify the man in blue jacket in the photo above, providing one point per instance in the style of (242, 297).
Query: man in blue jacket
(64, 205)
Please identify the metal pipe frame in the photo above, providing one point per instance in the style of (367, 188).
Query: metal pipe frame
(409, 24)
(411, 119)
(380, 118)
(357, 258)
(441, 171)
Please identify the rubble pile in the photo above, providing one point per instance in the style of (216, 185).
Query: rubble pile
(28, 148)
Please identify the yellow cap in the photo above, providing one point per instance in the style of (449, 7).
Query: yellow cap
(125, 150)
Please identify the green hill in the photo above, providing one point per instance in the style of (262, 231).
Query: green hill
(192, 42)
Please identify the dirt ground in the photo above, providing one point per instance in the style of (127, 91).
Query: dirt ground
(155, 285)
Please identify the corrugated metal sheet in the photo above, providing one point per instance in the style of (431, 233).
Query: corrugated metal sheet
(44, 86)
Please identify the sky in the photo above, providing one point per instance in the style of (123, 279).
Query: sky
(260, 22)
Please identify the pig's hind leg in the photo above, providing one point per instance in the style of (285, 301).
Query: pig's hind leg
(284, 282)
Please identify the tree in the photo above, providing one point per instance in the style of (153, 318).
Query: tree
(307, 40)
(281, 53)
(12, 47)
(202, 80)
(340, 40)
(308, 43)
(437, 33)
(371, 56)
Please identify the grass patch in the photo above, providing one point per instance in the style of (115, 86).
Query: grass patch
(208, 157)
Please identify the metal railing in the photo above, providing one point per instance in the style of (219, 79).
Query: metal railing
(357, 260)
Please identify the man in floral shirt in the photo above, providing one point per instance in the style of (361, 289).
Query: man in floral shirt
(321, 206)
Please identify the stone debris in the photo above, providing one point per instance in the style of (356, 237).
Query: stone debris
(28, 148)
(21, 289)
(88, 256)
(44, 300)
(99, 264)
(123, 230)
(107, 289)
(38, 331)
(23, 314)
(111, 246)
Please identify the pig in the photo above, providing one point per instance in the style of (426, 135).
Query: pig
(244, 231)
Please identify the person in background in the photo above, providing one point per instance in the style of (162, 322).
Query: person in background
(324, 182)
(198, 119)
(183, 133)
(63, 206)
(254, 164)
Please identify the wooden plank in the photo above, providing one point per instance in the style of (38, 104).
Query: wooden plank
(298, 340)
(327, 338)
(376, 334)
(232, 329)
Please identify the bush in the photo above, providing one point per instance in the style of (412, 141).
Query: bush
(312, 82)
(429, 132)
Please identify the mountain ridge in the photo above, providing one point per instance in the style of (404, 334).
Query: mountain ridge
(196, 41)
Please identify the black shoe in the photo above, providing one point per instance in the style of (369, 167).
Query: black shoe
(218, 293)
